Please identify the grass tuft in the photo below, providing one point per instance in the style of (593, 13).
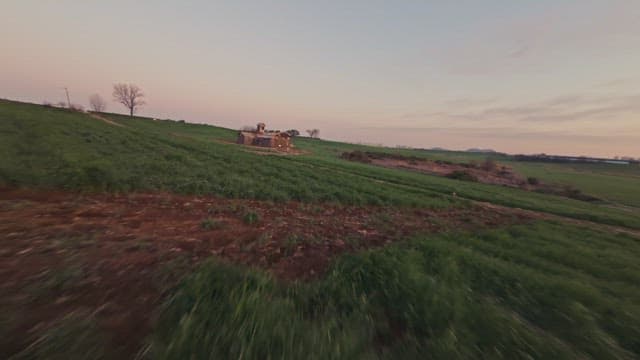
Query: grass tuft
(251, 217)
(212, 224)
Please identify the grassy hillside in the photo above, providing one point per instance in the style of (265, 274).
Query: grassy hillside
(48, 147)
(57, 148)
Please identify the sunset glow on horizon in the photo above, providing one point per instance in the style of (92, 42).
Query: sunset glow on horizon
(518, 77)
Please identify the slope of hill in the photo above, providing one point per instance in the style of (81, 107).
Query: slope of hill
(61, 149)
(257, 255)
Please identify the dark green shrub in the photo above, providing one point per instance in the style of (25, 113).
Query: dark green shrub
(356, 156)
(533, 180)
(462, 175)
(212, 224)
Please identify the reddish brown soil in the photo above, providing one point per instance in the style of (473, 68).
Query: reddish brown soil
(115, 256)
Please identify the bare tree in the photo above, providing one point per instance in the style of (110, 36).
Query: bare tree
(128, 95)
(313, 133)
(76, 107)
(97, 103)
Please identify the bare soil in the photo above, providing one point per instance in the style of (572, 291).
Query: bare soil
(116, 256)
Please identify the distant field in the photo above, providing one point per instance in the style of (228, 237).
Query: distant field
(348, 260)
(614, 183)
(617, 184)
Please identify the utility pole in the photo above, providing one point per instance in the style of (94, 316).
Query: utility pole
(68, 101)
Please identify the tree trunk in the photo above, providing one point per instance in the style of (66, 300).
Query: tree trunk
(131, 111)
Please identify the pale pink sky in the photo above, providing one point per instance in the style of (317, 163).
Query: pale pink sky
(526, 76)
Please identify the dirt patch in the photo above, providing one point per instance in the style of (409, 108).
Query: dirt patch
(115, 256)
(487, 172)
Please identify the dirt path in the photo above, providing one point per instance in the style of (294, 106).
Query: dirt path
(102, 118)
(115, 256)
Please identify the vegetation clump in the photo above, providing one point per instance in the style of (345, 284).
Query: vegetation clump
(357, 155)
(462, 175)
(251, 217)
(212, 224)
(566, 191)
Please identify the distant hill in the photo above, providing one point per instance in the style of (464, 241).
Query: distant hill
(477, 150)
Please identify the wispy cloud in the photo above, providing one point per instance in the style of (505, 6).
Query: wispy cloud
(564, 109)
(596, 28)
(470, 102)
(616, 83)
(567, 108)
(521, 50)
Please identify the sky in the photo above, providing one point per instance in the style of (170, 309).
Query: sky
(536, 76)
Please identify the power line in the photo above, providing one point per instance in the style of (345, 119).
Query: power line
(68, 100)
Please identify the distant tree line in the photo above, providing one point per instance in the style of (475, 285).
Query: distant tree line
(569, 159)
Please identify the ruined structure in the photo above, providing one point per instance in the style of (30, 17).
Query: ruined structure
(265, 138)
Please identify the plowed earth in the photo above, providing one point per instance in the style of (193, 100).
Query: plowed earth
(116, 256)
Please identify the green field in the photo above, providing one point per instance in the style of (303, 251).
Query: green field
(54, 148)
(617, 184)
(550, 289)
